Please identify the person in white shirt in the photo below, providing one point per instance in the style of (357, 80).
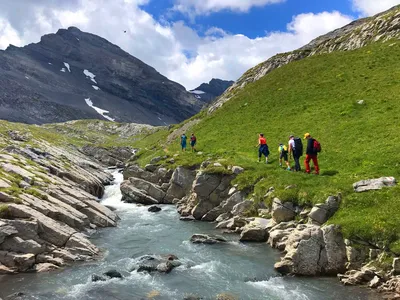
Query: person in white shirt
(293, 153)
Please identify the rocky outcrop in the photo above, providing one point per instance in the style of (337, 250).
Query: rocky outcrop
(54, 201)
(382, 27)
(374, 184)
(255, 231)
(312, 250)
(180, 184)
(115, 156)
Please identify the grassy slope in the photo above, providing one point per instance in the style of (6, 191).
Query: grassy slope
(317, 95)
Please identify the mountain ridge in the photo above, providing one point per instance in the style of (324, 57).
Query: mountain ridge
(48, 82)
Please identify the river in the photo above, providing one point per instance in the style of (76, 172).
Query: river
(242, 270)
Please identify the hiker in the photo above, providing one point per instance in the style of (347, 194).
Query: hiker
(193, 141)
(183, 142)
(295, 146)
(313, 147)
(283, 154)
(262, 148)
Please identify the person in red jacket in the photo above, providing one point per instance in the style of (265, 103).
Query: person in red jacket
(262, 148)
(311, 154)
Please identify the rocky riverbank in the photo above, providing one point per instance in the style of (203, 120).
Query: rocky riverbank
(48, 205)
(310, 246)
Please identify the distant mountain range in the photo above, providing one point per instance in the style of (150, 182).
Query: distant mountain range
(207, 92)
(76, 75)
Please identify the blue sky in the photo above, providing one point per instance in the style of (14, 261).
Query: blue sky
(257, 21)
(189, 41)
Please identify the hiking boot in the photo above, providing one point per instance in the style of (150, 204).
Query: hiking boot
(288, 169)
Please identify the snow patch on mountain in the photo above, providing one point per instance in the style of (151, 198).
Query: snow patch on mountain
(197, 92)
(62, 70)
(90, 75)
(95, 87)
(67, 66)
(99, 110)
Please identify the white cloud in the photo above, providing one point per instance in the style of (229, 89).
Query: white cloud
(174, 49)
(208, 6)
(372, 7)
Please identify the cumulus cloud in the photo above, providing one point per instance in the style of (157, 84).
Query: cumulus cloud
(173, 48)
(208, 6)
(372, 7)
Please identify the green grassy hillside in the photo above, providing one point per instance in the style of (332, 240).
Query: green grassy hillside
(317, 95)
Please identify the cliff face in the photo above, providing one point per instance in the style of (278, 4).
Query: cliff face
(382, 27)
(74, 75)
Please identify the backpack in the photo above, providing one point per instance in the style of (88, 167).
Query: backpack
(298, 147)
(317, 146)
(283, 149)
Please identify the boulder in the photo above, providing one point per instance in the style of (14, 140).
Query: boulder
(4, 197)
(282, 212)
(160, 264)
(311, 250)
(321, 213)
(233, 223)
(210, 191)
(207, 239)
(375, 282)
(113, 274)
(242, 207)
(374, 184)
(180, 184)
(137, 172)
(254, 234)
(188, 218)
(154, 209)
(148, 188)
(225, 207)
(130, 194)
(6, 270)
(150, 168)
(237, 170)
(155, 160)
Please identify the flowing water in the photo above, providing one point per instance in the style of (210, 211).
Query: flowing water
(242, 270)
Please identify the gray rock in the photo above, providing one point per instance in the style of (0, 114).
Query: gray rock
(161, 264)
(242, 207)
(155, 160)
(149, 188)
(207, 239)
(26, 175)
(237, 170)
(374, 184)
(254, 234)
(16, 244)
(4, 184)
(180, 184)
(335, 250)
(21, 262)
(6, 230)
(187, 219)
(154, 209)
(282, 212)
(130, 194)
(233, 223)
(150, 168)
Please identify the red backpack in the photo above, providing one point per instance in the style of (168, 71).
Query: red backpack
(317, 146)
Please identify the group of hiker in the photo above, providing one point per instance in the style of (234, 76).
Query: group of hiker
(294, 150)
(193, 141)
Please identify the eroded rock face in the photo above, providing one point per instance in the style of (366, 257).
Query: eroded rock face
(180, 184)
(42, 228)
(130, 194)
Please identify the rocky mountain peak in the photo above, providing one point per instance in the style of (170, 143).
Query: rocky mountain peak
(73, 75)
